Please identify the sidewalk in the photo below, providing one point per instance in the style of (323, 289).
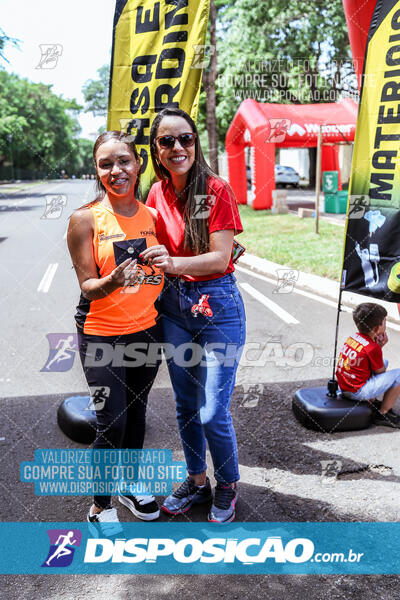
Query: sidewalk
(319, 286)
(8, 187)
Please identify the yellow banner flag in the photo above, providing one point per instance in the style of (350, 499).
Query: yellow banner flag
(158, 55)
(371, 264)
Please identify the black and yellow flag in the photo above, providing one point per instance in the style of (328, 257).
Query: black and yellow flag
(371, 264)
(158, 54)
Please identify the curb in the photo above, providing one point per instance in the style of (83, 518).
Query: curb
(319, 286)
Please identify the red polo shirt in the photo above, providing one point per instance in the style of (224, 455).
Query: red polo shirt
(359, 359)
(220, 209)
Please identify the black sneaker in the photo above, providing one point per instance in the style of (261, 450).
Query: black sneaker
(187, 495)
(143, 507)
(389, 419)
(223, 507)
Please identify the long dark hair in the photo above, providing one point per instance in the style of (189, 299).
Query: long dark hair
(119, 136)
(196, 230)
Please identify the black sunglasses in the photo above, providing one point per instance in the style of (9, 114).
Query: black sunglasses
(168, 141)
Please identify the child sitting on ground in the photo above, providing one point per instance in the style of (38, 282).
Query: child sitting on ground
(361, 370)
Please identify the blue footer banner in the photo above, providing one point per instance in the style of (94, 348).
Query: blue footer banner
(197, 548)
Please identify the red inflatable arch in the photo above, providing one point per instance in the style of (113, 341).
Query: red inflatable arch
(358, 18)
(266, 126)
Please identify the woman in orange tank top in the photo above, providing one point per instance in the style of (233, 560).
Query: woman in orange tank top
(117, 311)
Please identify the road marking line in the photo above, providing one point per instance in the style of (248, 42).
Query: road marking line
(257, 275)
(45, 284)
(331, 303)
(280, 312)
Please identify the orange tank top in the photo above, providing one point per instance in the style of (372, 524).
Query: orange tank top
(128, 309)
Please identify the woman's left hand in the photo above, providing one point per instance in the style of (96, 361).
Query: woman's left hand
(159, 257)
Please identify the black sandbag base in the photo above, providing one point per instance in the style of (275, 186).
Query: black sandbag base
(314, 409)
(76, 420)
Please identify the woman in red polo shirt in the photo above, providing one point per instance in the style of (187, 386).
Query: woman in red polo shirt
(202, 310)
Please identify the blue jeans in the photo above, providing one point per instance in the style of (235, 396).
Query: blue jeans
(203, 353)
(376, 385)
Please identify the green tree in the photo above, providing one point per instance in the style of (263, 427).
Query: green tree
(41, 126)
(279, 51)
(80, 161)
(4, 40)
(95, 92)
(271, 50)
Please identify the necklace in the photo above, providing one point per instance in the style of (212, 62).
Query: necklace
(182, 194)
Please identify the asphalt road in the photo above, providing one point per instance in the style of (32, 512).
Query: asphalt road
(289, 344)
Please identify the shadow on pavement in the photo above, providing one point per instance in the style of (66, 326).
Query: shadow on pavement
(18, 208)
(268, 437)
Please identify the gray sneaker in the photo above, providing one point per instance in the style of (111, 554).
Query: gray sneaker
(185, 496)
(223, 507)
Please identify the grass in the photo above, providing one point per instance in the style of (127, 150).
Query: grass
(290, 241)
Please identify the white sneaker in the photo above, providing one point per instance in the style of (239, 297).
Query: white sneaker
(105, 523)
(143, 507)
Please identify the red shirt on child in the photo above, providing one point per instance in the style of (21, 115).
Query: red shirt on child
(359, 358)
(170, 228)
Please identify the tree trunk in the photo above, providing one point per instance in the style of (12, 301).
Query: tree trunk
(209, 79)
(312, 155)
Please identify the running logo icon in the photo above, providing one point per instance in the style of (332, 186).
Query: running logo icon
(98, 396)
(54, 206)
(63, 543)
(62, 351)
(279, 130)
(50, 53)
